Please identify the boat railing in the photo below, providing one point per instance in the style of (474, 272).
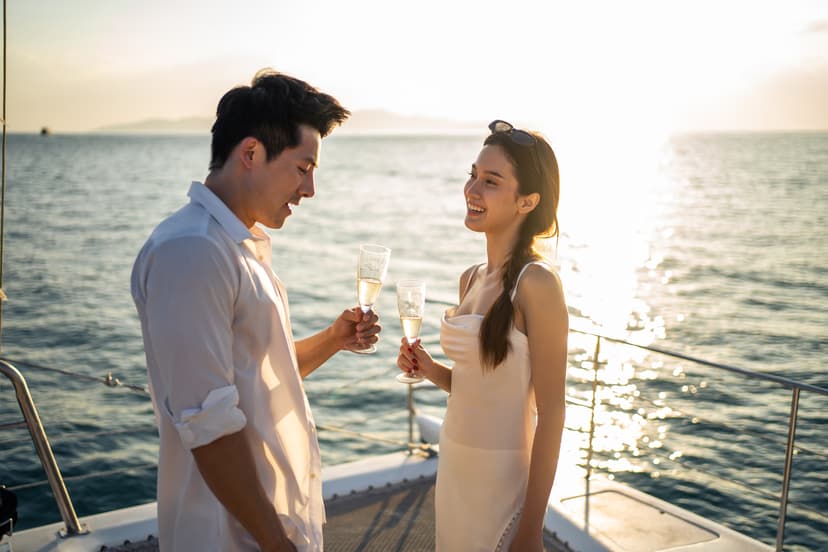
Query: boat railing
(594, 402)
(796, 388)
(56, 481)
(31, 420)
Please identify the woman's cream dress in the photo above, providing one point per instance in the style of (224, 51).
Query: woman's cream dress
(486, 438)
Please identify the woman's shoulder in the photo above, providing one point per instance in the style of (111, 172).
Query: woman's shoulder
(540, 295)
(540, 277)
(467, 275)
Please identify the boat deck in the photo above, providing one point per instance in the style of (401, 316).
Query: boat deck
(393, 518)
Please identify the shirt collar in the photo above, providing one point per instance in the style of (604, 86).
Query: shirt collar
(201, 194)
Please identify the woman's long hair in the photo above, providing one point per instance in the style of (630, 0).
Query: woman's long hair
(541, 222)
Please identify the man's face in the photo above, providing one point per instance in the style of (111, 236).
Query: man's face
(277, 184)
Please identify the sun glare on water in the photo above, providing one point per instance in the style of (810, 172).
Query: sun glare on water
(607, 219)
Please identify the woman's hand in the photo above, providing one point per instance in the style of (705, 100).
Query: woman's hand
(414, 359)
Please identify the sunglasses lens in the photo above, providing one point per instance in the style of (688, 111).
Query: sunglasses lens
(520, 137)
(523, 138)
(500, 126)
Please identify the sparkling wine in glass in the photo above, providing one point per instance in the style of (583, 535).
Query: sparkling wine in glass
(411, 304)
(371, 270)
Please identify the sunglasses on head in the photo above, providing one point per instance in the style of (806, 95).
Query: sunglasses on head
(519, 137)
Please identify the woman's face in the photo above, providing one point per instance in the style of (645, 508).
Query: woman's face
(492, 193)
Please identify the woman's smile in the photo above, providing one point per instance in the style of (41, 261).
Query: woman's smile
(474, 210)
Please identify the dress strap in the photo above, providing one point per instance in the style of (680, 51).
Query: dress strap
(520, 275)
(468, 285)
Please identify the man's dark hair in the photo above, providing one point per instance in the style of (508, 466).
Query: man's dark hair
(271, 110)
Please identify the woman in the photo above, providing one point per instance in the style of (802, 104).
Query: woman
(507, 339)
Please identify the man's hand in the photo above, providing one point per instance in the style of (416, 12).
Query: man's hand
(351, 331)
(355, 329)
(229, 470)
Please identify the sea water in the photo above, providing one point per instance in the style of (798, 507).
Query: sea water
(709, 245)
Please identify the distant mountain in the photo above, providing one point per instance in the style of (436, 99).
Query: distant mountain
(187, 125)
(371, 121)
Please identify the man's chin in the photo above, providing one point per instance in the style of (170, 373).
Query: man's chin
(274, 224)
(277, 219)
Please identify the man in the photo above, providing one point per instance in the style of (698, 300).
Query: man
(239, 464)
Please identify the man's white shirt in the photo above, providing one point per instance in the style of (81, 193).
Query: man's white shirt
(221, 359)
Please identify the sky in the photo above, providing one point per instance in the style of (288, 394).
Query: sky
(577, 68)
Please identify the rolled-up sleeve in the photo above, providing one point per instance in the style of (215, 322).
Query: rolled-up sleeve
(190, 288)
(218, 415)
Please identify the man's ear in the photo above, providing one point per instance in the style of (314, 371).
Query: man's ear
(247, 151)
(527, 203)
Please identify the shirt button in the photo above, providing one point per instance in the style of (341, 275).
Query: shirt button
(313, 476)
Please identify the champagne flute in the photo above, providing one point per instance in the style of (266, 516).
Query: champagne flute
(371, 270)
(411, 304)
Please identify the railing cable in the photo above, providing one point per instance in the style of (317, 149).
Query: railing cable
(75, 436)
(730, 427)
(785, 382)
(107, 380)
(81, 477)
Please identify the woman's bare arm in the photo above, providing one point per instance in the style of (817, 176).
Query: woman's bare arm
(541, 301)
